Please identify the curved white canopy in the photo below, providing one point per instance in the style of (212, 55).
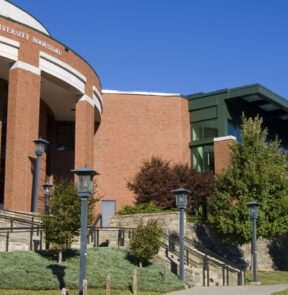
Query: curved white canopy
(10, 10)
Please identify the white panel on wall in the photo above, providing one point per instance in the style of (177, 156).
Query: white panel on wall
(9, 48)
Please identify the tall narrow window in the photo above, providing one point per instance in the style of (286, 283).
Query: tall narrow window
(65, 136)
(203, 157)
(204, 130)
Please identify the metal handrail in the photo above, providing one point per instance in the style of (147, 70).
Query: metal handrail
(213, 254)
(20, 213)
(207, 254)
(207, 261)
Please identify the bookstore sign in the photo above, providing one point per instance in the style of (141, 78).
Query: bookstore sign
(26, 36)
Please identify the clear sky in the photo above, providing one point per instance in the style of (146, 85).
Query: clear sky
(183, 46)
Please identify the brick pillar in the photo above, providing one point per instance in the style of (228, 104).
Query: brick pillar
(22, 128)
(3, 117)
(84, 133)
(222, 152)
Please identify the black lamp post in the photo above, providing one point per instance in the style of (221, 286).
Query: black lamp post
(181, 203)
(47, 193)
(40, 145)
(253, 213)
(85, 189)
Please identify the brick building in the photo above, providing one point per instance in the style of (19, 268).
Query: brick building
(48, 91)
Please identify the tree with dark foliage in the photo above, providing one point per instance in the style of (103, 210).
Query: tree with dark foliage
(157, 178)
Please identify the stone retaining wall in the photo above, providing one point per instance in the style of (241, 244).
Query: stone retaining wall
(168, 222)
(271, 254)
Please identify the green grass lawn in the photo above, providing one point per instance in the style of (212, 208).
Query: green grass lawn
(75, 292)
(284, 292)
(38, 271)
(269, 277)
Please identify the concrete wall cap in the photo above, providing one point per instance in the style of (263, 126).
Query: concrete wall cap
(225, 138)
(139, 93)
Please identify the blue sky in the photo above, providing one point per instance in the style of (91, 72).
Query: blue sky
(183, 46)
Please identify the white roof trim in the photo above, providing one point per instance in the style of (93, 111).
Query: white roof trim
(61, 70)
(26, 67)
(63, 65)
(98, 94)
(85, 97)
(140, 92)
(92, 102)
(229, 137)
(97, 99)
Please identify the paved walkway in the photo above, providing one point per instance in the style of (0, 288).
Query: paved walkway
(232, 290)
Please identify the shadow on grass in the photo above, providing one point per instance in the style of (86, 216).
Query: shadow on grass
(279, 253)
(59, 272)
(133, 260)
(53, 254)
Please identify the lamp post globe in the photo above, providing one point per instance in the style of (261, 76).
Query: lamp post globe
(40, 146)
(47, 193)
(253, 213)
(181, 203)
(84, 190)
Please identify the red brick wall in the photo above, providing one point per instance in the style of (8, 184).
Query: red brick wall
(84, 134)
(23, 119)
(222, 153)
(22, 129)
(3, 109)
(134, 128)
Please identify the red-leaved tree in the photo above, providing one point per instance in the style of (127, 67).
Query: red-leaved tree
(157, 178)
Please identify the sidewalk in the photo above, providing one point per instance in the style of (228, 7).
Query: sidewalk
(235, 290)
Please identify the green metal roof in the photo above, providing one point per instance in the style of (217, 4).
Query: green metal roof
(254, 99)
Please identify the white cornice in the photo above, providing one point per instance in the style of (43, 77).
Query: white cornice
(140, 93)
(62, 71)
(63, 65)
(27, 67)
(93, 102)
(97, 99)
(85, 97)
(9, 42)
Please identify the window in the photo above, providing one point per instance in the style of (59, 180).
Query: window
(203, 157)
(204, 129)
(234, 130)
(65, 136)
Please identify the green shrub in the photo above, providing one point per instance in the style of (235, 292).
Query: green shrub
(61, 226)
(146, 241)
(140, 208)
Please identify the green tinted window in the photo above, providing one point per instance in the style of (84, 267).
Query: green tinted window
(204, 129)
(203, 157)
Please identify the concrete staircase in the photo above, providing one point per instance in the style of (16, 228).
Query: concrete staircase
(202, 268)
(19, 231)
